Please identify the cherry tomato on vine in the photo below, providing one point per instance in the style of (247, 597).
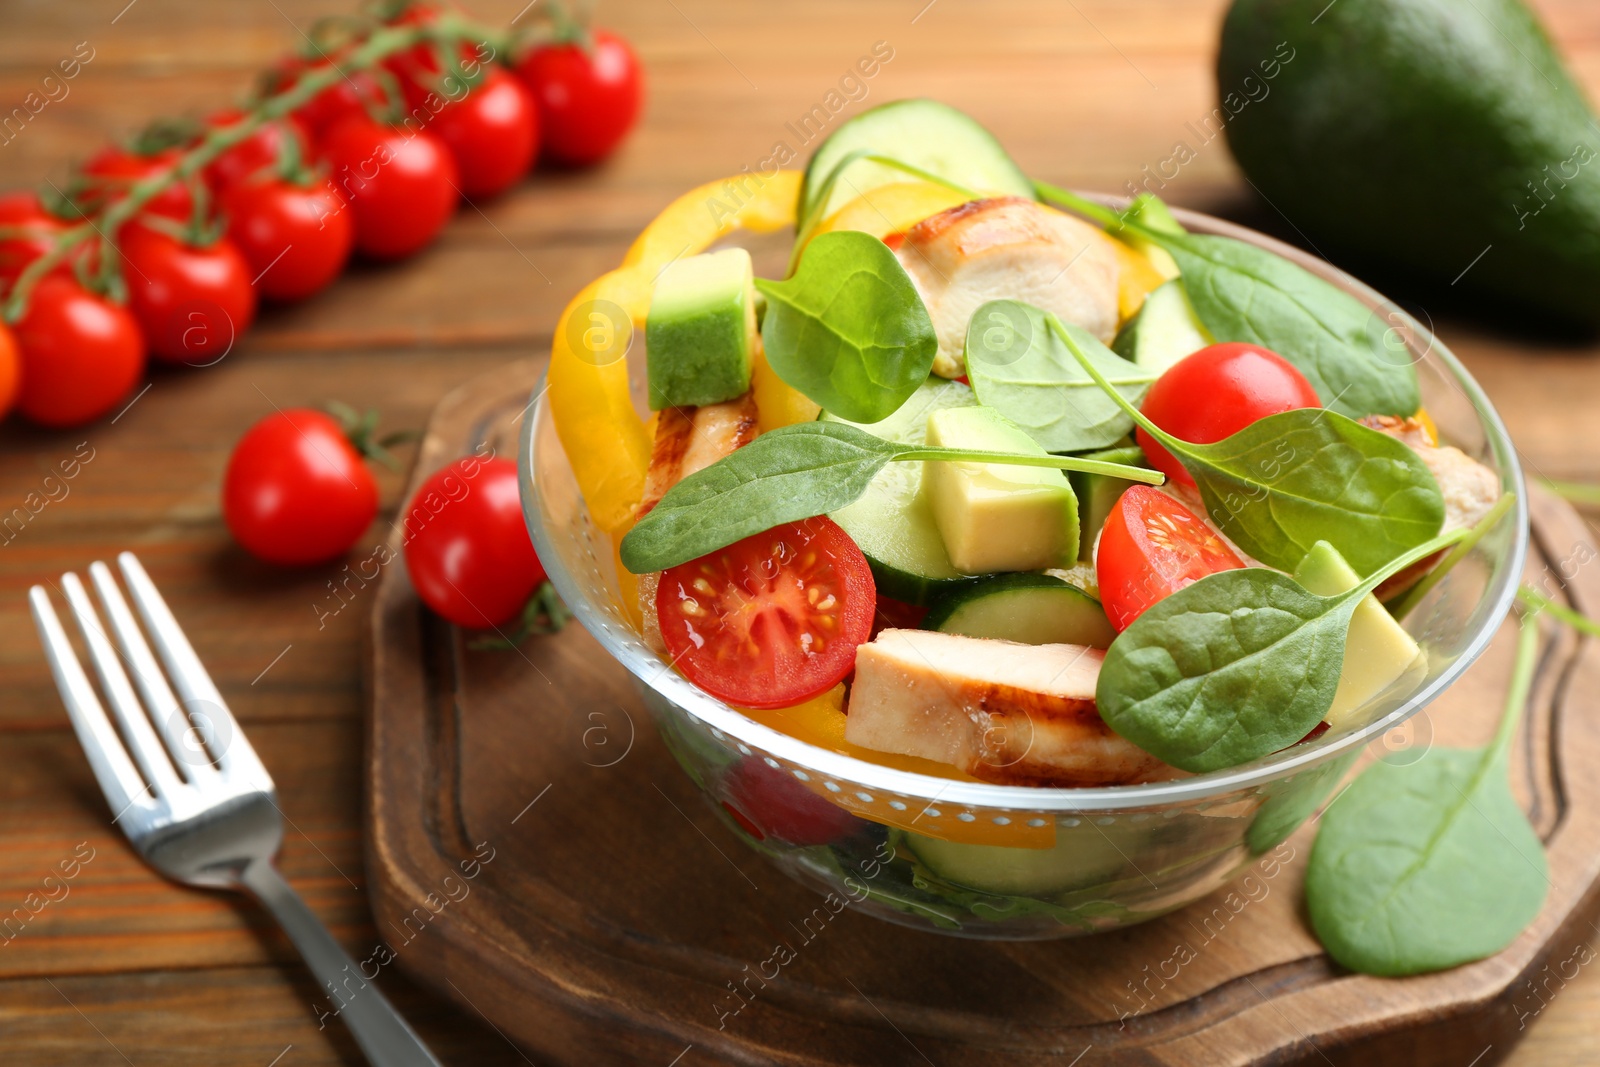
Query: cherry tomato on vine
(81, 354)
(401, 186)
(770, 803)
(1151, 547)
(296, 239)
(10, 371)
(296, 490)
(110, 172)
(192, 302)
(24, 211)
(1216, 392)
(492, 133)
(467, 546)
(260, 152)
(771, 620)
(588, 99)
(350, 95)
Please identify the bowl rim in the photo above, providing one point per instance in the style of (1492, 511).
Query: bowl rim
(629, 649)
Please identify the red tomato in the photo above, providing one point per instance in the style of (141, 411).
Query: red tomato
(771, 620)
(23, 211)
(588, 99)
(296, 490)
(10, 371)
(296, 240)
(1151, 547)
(467, 545)
(492, 133)
(401, 186)
(350, 95)
(112, 170)
(192, 303)
(81, 354)
(1216, 392)
(261, 151)
(770, 803)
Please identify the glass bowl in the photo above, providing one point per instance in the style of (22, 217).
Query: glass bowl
(1019, 863)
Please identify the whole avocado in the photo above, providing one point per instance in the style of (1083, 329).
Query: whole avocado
(1427, 134)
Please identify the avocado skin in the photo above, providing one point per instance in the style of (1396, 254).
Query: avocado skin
(1409, 131)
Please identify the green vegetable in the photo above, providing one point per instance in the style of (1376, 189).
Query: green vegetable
(796, 472)
(1244, 293)
(1429, 865)
(1236, 666)
(1287, 481)
(1019, 367)
(848, 329)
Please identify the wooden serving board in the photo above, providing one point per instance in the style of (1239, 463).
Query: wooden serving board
(536, 855)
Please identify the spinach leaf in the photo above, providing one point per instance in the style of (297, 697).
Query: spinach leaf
(848, 329)
(1236, 666)
(1287, 481)
(1426, 866)
(1245, 293)
(1019, 367)
(796, 472)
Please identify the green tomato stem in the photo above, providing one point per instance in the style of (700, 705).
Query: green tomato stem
(1177, 446)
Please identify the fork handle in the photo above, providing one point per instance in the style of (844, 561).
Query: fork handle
(382, 1034)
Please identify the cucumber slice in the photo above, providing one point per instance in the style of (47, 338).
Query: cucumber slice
(1098, 494)
(1164, 331)
(1034, 609)
(892, 522)
(923, 133)
(1076, 861)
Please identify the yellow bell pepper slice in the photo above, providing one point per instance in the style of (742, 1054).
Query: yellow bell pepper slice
(606, 441)
(892, 208)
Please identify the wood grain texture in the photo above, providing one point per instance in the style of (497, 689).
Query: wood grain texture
(173, 975)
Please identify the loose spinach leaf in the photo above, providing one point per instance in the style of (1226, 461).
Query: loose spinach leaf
(1245, 293)
(849, 330)
(1236, 666)
(793, 473)
(1019, 367)
(1287, 481)
(1429, 865)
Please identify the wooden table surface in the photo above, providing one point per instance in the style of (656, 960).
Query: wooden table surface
(128, 968)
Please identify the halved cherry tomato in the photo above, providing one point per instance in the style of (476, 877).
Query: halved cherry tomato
(192, 302)
(1215, 393)
(81, 354)
(23, 211)
(769, 803)
(588, 98)
(401, 185)
(111, 171)
(296, 239)
(773, 619)
(1151, 547)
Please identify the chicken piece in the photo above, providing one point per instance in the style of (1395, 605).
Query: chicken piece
(1002, 712)
(1470, 489)
(688, 440)
(1008, 248)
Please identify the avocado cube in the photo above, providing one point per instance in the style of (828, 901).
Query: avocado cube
(701, 329)
(1377, 651)
(997, 516)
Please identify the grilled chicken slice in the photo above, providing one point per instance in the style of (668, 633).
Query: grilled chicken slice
(1008, 248)
(1002, 712)
(688, 440)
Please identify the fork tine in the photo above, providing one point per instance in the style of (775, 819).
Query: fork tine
(147, 751)
(171, 721)
(107, 758)
(232, 749)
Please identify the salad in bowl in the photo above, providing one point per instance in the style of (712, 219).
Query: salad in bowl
(1020, 563)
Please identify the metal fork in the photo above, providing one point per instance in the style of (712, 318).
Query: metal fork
(194, 799)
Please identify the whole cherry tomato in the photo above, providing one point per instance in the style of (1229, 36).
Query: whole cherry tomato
(296, 490)
(402, 187)
(350, 95)
(261, 151)
(492, 133)
(110, 172)
(23, 211)
(192, 302)
(1216, 392)
(10, 371)
(771, 620)
(769, 803)
(588, 99)
(81, 354)
(296, 239)
(1151, 547)
(467, 546)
